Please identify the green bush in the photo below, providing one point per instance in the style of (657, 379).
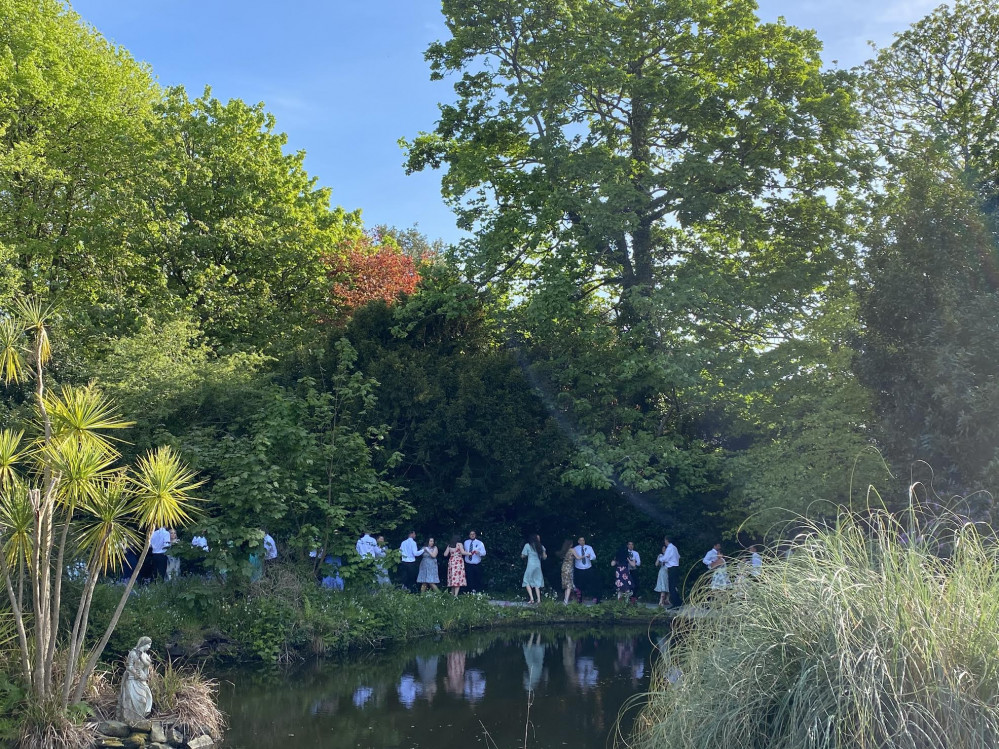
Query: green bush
(858, 640)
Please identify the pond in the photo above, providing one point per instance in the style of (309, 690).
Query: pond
(472, 691)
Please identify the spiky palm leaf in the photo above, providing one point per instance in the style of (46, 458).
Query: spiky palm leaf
(11, 349)
(10, 455)
(81, 414)
(35, 317)
(162, 487)
(82, 467)
(17, 523)
(103, 534)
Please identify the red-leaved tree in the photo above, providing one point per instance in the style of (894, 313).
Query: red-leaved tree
(371, 267)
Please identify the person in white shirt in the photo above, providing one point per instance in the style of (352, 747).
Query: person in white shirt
(715, 562)
(270, 548)
(755, 561)
(474, 552)
(583, 574)
(158, 545)
(366, 546)
(636, 559)
(408, 567)
(669, 566)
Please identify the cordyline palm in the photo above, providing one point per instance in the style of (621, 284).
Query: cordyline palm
(65, 486)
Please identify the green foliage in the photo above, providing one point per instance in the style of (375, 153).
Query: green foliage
(244, 230)
(929, 306)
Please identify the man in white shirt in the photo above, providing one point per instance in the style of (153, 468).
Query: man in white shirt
(409, 567)
(583, 574)
(270, 548)
(637, 559)
(712, 556)
(473, 571)
(366, 546)
(755, 561)
(158, 545)
(671, 562)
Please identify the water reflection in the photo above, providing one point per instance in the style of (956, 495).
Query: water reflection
(450, 692)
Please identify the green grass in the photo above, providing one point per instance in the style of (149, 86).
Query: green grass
(857, 641)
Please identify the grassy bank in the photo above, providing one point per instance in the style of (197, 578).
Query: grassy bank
(285, 616)
(858, 640)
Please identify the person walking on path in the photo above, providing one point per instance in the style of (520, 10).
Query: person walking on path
(475, 550)
(583, 569)
(623, 565)
(672, 565)
(158, 544)
(409, 565)
(637, 559)
(455, 554)
(429, 574)
(715, 562)
(568, 556)
(534, 581)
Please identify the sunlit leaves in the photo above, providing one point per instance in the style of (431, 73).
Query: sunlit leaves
(80, 467)
(163, 488)
(10, 455)
(17, 520)
(11, 349)
(80, 414)
(104, 533)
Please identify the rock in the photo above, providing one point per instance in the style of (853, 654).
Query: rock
(201, 742)
(106, 742)
(175, 737)
(113, 728)
(157, 745)
(157, 734)
(135, 741)
(141, 726)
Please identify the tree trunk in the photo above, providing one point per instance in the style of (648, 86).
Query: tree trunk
(91, 663)
(22, 635)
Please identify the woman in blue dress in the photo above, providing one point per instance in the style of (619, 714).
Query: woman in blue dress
(534, 581)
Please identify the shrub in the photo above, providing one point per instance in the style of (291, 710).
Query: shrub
(858, 640)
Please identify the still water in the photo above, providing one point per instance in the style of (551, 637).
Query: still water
(468, 692)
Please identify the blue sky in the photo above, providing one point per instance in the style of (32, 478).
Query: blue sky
(346, 78)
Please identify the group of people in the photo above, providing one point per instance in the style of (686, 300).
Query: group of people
(578, 573)
(418, 565)
(166, 566)
(579, 576)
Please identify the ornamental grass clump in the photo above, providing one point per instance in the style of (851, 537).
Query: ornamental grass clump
(860, 639)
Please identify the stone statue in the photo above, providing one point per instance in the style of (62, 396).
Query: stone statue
(135, 701)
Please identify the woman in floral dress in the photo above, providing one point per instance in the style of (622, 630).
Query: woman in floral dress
(455, 553)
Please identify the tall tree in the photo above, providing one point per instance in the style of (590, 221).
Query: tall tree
(244, 231)
(656, 185)
(76, 162)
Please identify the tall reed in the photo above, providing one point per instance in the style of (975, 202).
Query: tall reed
(861, 639)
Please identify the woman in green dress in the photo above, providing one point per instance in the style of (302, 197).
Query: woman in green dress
(534, 581)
